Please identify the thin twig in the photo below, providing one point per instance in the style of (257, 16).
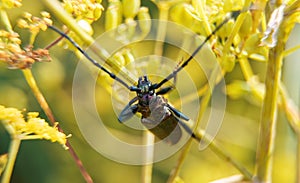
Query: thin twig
(53, 43)
(44, 105)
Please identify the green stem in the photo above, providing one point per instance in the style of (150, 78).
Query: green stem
(148, 157)
(233, 33)
(246, 68)
(5, 20)
(291, 50)
(236, 28)
(298, 159)
(38, 95)
(265, 147)
(12, 155)
(162, 27)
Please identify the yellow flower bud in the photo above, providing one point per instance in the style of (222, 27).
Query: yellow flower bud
(131, 8)
(226, 29)
(48, 21)
(98, 11)
(14, 48)
(15, 40)
(7, 4)
(144, 19)
(3, 33)
(252, 43)
(45, 14)
(228, 62)
(85, 26)
(246, 26)
(131, 27)
(111, 18)
(128, 57)
(182, 13)
(237, 89)
(118, 57)
(27, 15)
(228, 4)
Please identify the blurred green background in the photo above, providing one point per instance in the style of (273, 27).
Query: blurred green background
(41, 161)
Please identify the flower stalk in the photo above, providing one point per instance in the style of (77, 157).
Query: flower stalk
(265, 148)
(282, 26)
(12, 155)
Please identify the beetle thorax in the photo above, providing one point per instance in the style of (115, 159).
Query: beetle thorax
(145, 94)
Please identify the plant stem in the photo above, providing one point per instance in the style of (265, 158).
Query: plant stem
(38, 95)
(148, 157)
(263, 167)
(298, 159)
(236, 28)
(266, 140)
(291, 50)
(12, 155)
(44, 105)
(162, 27)
(5, 20)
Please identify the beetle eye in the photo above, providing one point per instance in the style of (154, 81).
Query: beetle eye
(140, 95)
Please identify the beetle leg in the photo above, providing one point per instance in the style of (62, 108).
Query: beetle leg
(178, 113)
(188, 130)
(164, 90)
(128, 111)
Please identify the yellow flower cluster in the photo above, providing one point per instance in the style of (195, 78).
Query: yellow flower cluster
(88, 10)
(35, 24)
(9, 42)
(10, 49)
(16, 57)
(34, 128)
(85, 12)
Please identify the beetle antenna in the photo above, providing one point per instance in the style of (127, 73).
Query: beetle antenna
(112, 75)
(185, 63)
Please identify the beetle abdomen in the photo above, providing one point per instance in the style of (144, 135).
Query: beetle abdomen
(167, 130)
(161, 121)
